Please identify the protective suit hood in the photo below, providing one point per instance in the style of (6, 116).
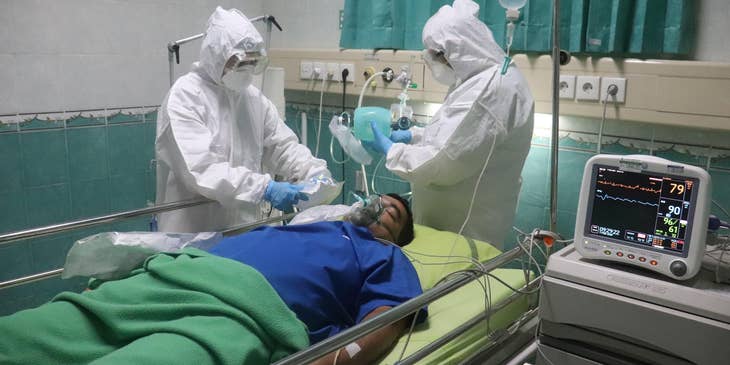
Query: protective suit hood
(467, 43)
(228, 32)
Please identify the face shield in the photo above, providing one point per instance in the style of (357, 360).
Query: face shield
(251, 62)
(439, 66)
(241, 67)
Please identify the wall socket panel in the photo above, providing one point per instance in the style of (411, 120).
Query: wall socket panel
(307, 70)
(620, 82)
(567, 87)
(587, 88)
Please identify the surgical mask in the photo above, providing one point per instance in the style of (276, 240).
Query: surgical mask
(442, 72)
(237, 80)
(366, 211)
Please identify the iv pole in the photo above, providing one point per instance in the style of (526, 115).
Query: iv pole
(556, 119)
(173, 48)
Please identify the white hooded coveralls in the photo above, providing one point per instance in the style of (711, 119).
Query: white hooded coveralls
(215, 142)
(445, 158)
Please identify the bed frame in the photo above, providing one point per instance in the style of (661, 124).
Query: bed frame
(503, 343)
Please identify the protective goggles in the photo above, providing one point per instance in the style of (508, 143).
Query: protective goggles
(253, 62)
(433, 56)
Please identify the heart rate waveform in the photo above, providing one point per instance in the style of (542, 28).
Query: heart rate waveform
(630, 187)
(606, 196)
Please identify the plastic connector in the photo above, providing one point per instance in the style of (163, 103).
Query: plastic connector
(612, 90)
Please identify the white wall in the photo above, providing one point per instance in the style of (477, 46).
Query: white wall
(90, 54)
(314, 24)
(306, 23)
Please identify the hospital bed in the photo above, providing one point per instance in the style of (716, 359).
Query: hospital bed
(456, 330)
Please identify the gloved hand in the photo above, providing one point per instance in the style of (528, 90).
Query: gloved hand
(401, 136)
(381, 143)
(284, 195)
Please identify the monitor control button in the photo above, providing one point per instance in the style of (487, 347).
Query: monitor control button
(678, 268)
(607, 252)
(620, 254)
(642, 258)
(630, 256)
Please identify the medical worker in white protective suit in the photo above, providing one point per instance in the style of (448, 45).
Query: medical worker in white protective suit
(484, 114)
(217, 134)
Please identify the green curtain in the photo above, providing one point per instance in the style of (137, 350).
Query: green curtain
(636, 28)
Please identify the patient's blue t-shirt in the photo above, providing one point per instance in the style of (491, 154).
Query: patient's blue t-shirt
(331, 274)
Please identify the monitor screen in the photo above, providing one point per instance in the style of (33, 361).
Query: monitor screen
(647, 210)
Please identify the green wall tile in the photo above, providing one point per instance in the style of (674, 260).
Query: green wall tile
(151, 117)
(87, 148)
(125, 118)
(89, 198)
(151, 186)
(15, 261)
(10, 162)
(570, 172)
(44, 157)
(150, 130)
(79, 121)
(47, 205)
(39, 123)
(720, 191)
(12, 211)
(721, 162)
(127, 192)
(138, 224)
(536, 176)
(675, 156)
(49, 253)
(127, 149)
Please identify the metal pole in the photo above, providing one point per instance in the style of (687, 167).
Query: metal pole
(31, 278)
(556, 119)
(62, 227)
(171, 63)
(393, 315)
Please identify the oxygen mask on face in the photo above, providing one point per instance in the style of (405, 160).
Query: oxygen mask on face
(366, 211)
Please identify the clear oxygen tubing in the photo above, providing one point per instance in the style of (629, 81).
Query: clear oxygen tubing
(359, 104)
(319, 121)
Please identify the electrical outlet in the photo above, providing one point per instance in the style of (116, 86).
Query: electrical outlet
(350, 69)
(620, 82)
(305, 70)
(333, 72)
(320, 70)
(587, 88)
(567, 86)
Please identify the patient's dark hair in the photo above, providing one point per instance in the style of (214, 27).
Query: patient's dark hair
(406, 234)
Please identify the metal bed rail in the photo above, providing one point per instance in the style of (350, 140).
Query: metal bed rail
(393, 315)
(90, 222)
(456, 332)
(62, 227)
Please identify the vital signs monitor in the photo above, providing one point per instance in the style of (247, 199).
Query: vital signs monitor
(644, 211)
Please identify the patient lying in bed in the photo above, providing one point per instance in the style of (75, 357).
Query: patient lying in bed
(194, 307)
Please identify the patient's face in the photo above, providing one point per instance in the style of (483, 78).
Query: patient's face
(392, 220)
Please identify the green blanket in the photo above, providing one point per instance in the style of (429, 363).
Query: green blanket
(185, 308)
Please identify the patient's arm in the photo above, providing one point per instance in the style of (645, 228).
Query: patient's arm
(373, 345)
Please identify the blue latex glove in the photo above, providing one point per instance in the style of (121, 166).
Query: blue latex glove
(283, 195)
(381, 143)
(401, 136)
